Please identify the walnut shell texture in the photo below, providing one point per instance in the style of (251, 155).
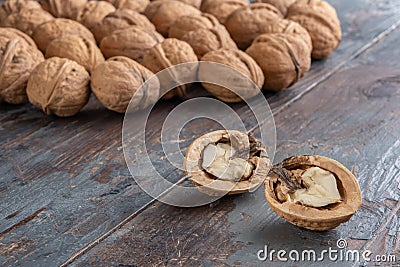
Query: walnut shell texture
(94, 12)
(194, 3)
(207, 183)
(68, 9)
(322, 23)
(187, 24)
(118, 79)
(164, 13)
(136, 5)
(239, 61)
(76, 48)
(118, 20)
(132, 42)
(11, 33)
(14, 6)
(283, 58)
(318, 219)
(281, 5)
(245, 23)
(27, 19)
(223, 8)
(45, 33)
(17, 60)
(205, 40)
(167, 54)
(59, 86)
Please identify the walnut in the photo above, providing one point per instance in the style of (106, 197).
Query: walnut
(281, 5)
(338, 196)
(194, 3)
(239, 61)
(132, 42)
(187, 24)
(136, 5)
(164, 13)
(210, 158)
(48, 31)
(245, 23)
(68, 9)
(283, 58)
(59, 86)
(14, 6)
(17, 60)
(321, 21)
(223, 8)
(206, 40)
(117, 80)
(77, 48)
(167, 54)
(94, 12)
(118, 20)
(11, 33)
(27, 19)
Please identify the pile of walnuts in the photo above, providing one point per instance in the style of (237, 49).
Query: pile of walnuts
(54, 53)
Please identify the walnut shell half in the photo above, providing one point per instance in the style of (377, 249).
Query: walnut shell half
(319, 219)
(77, 48)
(136, 5)
(68, 9)
(187, 24)
(17, 61)
(94, 12)
(117, 80)
(59, 86)
(221, 9)
(239, 61)
(321, 21)
(14, 6)
(212, 185)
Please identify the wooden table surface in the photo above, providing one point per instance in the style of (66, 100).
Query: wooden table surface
(67, 197)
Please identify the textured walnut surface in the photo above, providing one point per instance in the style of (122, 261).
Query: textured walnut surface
(11, 33)
(14, 6)
(136, 5)
(17, 60)
(222, 9)
(194, 3)
(132, 42)
(94, 12)
(48, 31)
(322, 23)
(283, 58)
(245, 23)
(187, 24)
(59, 86)
(68, 9)
(239, 61)
(119, 79)
(164, 13)
(281, 5)
(118, 20)
(77, 48)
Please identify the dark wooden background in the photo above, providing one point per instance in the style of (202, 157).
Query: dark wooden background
(67, 196)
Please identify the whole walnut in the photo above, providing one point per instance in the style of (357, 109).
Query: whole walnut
(76, 48)
(283, 58)
(136, 5)
(167, 54)
(321, 21)
(27, 19)
(68, 9)
(94, 12)
(281, 5)
(223, 8)
(119, 79)
(118, 20)
(205, 40)
(195, 3)
(245, 23)
(14, 6)
(59, 86)
(187, 24)
(164, 13)
(132, 42)
(56, 28)
(12, 33)
(288, 27)
(239, 61)
(17, 60)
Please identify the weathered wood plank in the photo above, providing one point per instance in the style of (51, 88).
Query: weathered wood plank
(352, 117)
